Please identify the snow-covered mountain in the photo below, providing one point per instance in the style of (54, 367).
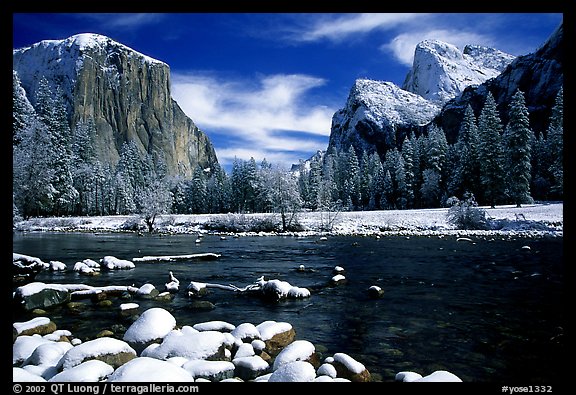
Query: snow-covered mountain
(377, 115)
(125, 93)
(441, 71)
(443, 80)
(538, 75)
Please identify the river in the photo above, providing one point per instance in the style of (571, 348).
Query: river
(486, 310)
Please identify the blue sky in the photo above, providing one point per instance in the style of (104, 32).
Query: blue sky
(266, 85)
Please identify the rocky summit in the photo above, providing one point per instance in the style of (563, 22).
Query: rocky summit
(441, 71)
(441, 83)
(125, 93)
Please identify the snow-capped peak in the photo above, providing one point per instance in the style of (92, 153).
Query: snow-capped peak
(441, 71)
(84, 42)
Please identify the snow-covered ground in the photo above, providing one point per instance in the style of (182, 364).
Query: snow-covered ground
(532, 219)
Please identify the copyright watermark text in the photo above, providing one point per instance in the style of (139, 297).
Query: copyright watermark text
(102, 388)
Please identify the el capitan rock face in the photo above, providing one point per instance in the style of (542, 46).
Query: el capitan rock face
(125, 93)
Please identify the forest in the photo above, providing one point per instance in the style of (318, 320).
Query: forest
(56, 170)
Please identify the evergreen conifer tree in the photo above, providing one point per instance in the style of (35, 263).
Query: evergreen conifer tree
(491, 152)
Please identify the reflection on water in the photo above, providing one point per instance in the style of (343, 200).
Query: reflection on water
(488, 311)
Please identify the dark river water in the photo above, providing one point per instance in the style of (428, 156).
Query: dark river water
(488, 311)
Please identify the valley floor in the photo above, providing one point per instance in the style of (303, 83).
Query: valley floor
(541, 218)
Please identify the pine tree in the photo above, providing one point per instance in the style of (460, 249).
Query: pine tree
(32, 187)
(23, 114)
(491, 152)
(518, 142)
(408, 156)
(197, 192)
(555, 139)
(352, 181)
(466, 171)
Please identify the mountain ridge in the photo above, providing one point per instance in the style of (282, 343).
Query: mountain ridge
(126, 94)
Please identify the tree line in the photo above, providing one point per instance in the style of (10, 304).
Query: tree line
(56, 170)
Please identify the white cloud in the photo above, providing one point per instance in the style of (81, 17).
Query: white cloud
(123, 20)
(256, 114)
(344, 26)
(403, 45)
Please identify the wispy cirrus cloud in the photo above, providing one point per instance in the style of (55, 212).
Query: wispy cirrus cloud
(341, 27)
(270, 114)
(122, 20)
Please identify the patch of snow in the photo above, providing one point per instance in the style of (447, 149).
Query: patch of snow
(220, 326)
(113, 263)
(89, 371)
(297, 371)
(93, 348)
(327, 369)
(350, 363)
(24, 346)
(246, 330)
(189, 343)
(30, 324)
(298, 350)
(199, 367)
(20, 375)
(145, 369)
(268, 329)
(128, 306)
(439, 376)
(154, 323)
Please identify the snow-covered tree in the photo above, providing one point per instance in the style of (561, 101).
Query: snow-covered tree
(490, 152)
(517, 151)
(197, 192)
(23, 114)
(466, 167)
(32, 174)
(555, 139)
(153, 201)
(52, 113)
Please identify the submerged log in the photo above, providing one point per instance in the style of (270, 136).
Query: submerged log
(172, 258)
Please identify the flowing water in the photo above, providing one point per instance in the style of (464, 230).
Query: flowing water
(487, 310)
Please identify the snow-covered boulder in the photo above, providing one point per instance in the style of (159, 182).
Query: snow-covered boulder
(152, 326)
(47, 354)
(83, 268)
(220, 326)
(24, 346)
(248, 368)
(296, 371)
(40, 295)
(147, 291)
(112, 263)
(375, 292)
(246, 332)
(20, 375)
(189, 343)
(55, 266)
(211, 370)
(327, 369)
(276, 335)
(407, 376)
(144, 369)
(244, 350)
(112, 351)
(38, 325)
(349, 368)
(173, 284)
(440, 376)
(89, 371)
(298, 350)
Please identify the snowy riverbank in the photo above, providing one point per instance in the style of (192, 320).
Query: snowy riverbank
(539, 219)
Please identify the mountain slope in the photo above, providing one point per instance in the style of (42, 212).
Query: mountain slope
(441, 71)
(125, 93)
(539, 75)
